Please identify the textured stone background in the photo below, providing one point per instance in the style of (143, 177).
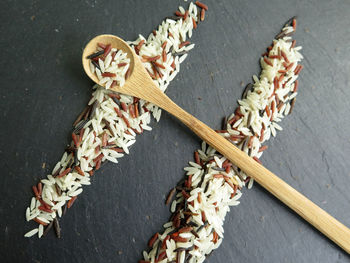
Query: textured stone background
(44, 88)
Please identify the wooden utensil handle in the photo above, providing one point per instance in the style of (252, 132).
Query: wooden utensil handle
(316, 216)
(312, 213)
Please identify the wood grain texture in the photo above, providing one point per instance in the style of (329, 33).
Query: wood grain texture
(320, 219)
(140, 85)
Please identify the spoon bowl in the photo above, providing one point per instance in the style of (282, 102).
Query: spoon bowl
(140, 85)
(115, 42)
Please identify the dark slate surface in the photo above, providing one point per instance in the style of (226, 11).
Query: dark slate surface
(44, 88)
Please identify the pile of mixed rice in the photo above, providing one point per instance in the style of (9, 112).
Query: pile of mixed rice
(111, 66)
(212, 182)
(109, 125)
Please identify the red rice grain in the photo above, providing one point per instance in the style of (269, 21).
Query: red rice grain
(298, 69)
(284, 56)
(229, 182)
(268, 62)
(170, 196)
(178, 13)
(65, 172)
(186, 15)
(98, 164)
(149, 59)
(194, 23)
(152, 240)
(108, 74)
(122, 65)
(179, 239)
(184, 44)
(104, 139)
(196, 158)
(257, 159)
(164, 56)
(126, 121)
(71, 201)
(99, 157)
(263, 148)
(201, 5)
(43, 203)
(262, 134)
(272, 109)
(36, 192)
(215, 237)
(43, 208)
(118, 112)
(161, 256)
(296, 84)
(101, 45)
(267, 111)
(81, 134)
(203, 216)
(131, 111)
(159, 65)
(138, 47)
(274, 57)
(289, 66)
(79, 171)
(40, 222)
(188, 182)
(199, 198)
(294, 24)
(184, 194)
(75, 140)
(136, 109)
(113, 55)
(151, 74)
(124, 107)
(202, 14)
(293, 44)
(40, 188)
(280, 79)
(107, 50)
(164, 241)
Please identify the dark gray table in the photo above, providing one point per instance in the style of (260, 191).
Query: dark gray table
(44, 88)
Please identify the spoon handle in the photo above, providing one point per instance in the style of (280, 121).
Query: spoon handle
(312, 213)
(141, 85)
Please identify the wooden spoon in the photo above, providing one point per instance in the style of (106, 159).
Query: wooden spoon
(140, 85)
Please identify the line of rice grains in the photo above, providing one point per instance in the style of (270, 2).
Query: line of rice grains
(200, 202)
(109, 124)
